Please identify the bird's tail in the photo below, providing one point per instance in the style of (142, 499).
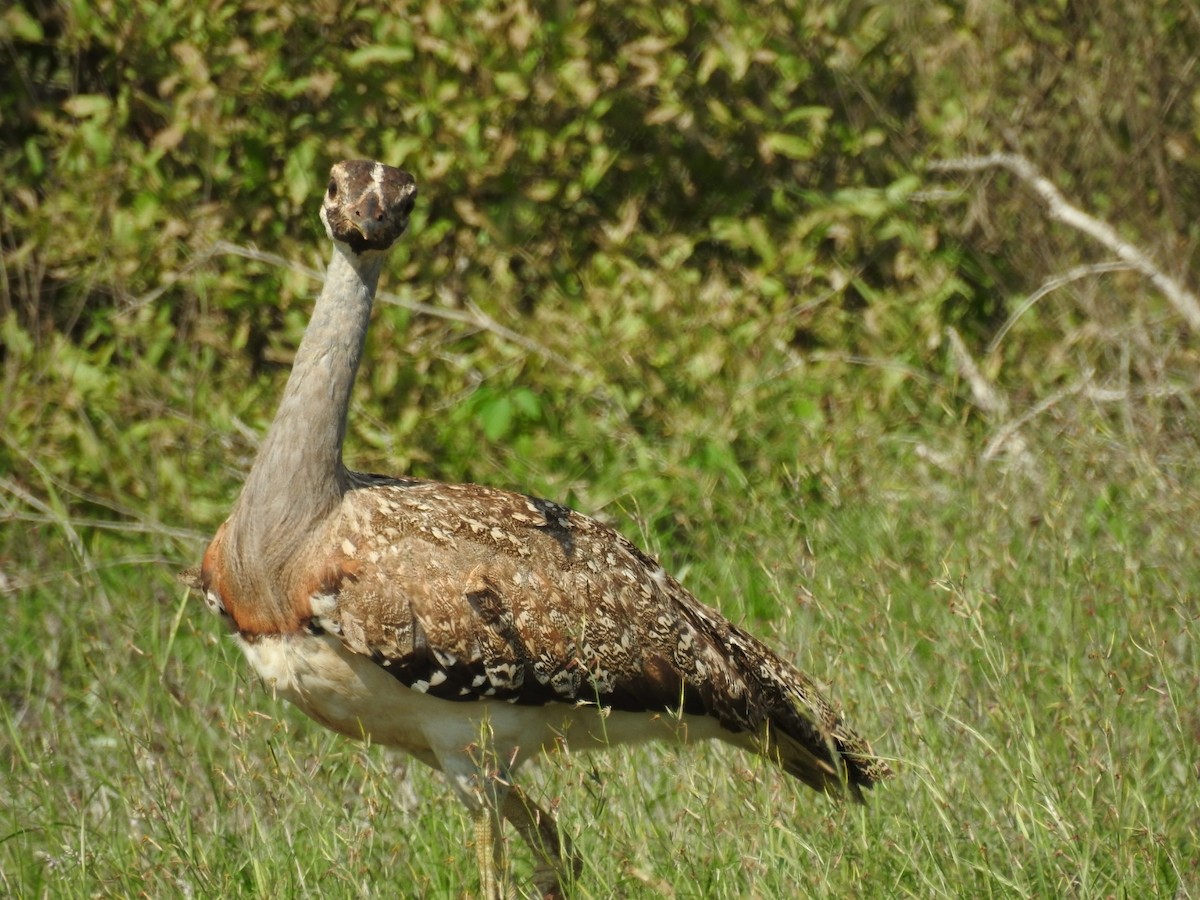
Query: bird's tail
(774, 709)
(808, 737)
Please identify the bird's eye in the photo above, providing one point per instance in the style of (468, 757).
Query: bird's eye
(332, 189)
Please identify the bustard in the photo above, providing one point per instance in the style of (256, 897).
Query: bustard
(469, 626)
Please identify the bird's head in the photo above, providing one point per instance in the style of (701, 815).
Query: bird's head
(367, 204)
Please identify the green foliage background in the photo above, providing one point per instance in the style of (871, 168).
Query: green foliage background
(681, 265)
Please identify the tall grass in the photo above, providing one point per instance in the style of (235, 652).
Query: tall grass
(1026, 647)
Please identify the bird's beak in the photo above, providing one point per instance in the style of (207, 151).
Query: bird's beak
(368, 217)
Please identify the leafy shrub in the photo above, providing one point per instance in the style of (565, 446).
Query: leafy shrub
(679, 208)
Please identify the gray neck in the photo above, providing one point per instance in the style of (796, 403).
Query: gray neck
(298, 478)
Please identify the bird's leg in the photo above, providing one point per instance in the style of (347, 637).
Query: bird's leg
(484, 798)
(557, 865)
(489, 853)
(480, 779)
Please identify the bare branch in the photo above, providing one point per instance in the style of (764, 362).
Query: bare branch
(1009, 430)
(64, 523)
(271, 259)
(1184, 301)
(990, 400)
(986, 397)
(1053, 284)
(474, 316)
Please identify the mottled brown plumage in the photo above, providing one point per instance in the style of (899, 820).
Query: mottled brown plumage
(439, 618)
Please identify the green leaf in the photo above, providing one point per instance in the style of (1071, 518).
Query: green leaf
(378, 55)
(790, 145)
(527, 403)
(496, 417)
(87, 106)
(18, 24)
(512, 84)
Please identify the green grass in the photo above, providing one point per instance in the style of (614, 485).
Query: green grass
(1027, 648)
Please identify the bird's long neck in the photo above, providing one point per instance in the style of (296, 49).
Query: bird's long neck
(298, 478)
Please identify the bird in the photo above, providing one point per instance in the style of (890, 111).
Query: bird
(472, 627)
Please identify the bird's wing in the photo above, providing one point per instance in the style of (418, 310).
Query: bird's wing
(467, 592)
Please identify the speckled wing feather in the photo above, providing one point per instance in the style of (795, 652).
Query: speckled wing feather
(466, 592)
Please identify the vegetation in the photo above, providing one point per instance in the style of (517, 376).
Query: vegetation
(685, 266)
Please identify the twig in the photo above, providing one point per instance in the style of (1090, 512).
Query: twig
(74, 541)
(1006, 431)
(1099, 394)
(1053, 284)
(986, 397)
(871, 362)
(474, 316)
(271, 259)
(1184, 301)
(189, 535)
(132, 520)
